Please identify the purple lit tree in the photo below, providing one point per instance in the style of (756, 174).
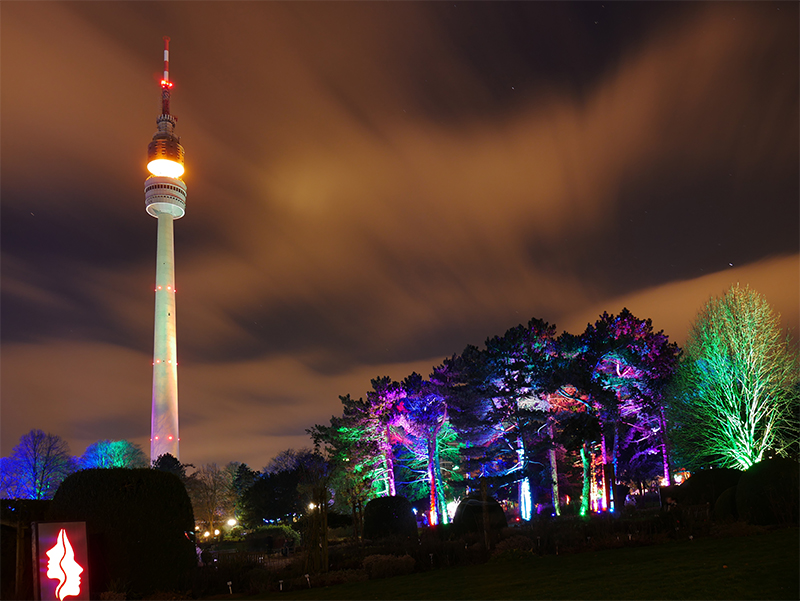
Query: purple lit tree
(622, 366)
(379, 417)
(422, 428)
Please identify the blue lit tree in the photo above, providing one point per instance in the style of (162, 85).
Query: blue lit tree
(36, 467)
(462, 379)
(519, 373)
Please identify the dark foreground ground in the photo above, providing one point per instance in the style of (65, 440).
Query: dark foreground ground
(759, 566)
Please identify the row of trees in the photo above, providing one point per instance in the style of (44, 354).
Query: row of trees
(548, 419)
(41, 461)
(531, 411)
(541, 418)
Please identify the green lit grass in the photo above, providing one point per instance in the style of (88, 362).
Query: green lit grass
(763, 566)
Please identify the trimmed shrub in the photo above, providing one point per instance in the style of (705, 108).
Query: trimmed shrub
(389, 516)
(384, 566)
(469, 515)
(139, 526)
(768, 492)
(18, 512)
(339, 577)
(725, 507)
(705, 486)
(280, 534)
(512, 548)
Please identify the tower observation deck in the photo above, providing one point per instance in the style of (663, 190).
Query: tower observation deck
(165, 199)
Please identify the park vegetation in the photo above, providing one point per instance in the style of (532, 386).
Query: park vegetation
(532, 429)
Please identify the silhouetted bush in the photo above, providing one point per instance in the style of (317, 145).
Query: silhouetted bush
(384, 566)
(705, 486)
(767, 493)
(725, 507)
(389, 516)
(139, 526)
(269, 539)
(469, 515)
(17, 512)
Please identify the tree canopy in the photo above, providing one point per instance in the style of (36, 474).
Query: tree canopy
(735, 395)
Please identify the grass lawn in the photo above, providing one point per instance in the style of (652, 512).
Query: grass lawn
(761, 566)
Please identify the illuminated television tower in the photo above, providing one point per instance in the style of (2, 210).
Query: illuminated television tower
(165, 199)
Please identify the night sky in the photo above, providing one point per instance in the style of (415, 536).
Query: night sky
(373, 186)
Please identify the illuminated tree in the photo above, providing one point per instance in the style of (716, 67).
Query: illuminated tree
(211, 492)
(463, 380)
(518, 373)
(735, 395)
(354, 461)
(423, 430)
(36, 467)
(619, 368)
(113, 453)
(379, 417)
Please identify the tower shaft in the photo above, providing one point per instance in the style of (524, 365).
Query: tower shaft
(164, 419)
(165, 199)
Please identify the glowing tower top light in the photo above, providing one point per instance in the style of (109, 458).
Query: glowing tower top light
(165, 199)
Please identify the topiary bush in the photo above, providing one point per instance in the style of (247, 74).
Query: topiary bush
(469, 515)
(280, 534)
(725, 507)
(384, 566)
(389, 516)
(705, 486)
(768, 493)
(139, 526)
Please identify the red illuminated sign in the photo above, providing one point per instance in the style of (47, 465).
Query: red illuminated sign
(62, 560)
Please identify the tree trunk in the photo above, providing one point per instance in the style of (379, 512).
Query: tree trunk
(445, 518)
(434, 505)
(607, 470)
(485, 513)
(525, 500)
(587, 475)
(664, 455)
(389, 462)
(553, 468)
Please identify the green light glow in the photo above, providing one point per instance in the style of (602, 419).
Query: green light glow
(735, 396)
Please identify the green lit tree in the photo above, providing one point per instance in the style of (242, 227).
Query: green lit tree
(113, 453)
(735, 397)
(357, 466)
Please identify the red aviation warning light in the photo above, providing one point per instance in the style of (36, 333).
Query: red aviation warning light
(166, 84)
(165, 153)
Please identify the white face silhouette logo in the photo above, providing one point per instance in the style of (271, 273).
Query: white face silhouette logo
(62, 566)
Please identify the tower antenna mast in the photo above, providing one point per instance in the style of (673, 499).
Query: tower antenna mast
(166, 84)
